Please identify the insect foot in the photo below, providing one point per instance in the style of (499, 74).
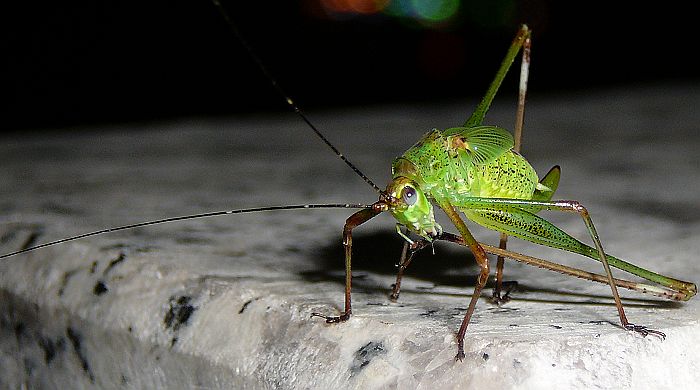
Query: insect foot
(499, 299)
(394, 296)
(460, 356)
(644, 331)
(332, 319)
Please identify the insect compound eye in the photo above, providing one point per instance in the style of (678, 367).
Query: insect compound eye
(409, 195)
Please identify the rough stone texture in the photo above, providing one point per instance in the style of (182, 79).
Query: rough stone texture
(225, 302)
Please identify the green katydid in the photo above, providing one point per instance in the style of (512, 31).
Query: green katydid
(472, 168)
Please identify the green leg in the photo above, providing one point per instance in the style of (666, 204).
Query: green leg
(505, 215)
(508, 216)
(656, 290)
(478, 116)
(497, 297)
(521, 40)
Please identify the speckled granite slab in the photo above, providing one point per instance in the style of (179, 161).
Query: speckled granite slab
(225, 302)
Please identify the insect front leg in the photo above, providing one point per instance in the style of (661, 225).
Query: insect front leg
(352, 222)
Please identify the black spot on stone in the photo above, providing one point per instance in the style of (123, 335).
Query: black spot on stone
(179, 313)
(485, 356)
(7, 237)
(428, 313)
(245, 305)
(557, 326)
(93, 267)
(100, 288)
(364, 355)
(115, 262)
(49, 348)
(76, 340)
(64, 283)
(19, 330)
(31, 240)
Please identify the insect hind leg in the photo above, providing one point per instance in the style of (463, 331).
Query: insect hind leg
(509, 216)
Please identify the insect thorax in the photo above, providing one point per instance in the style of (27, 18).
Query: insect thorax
(436, 166)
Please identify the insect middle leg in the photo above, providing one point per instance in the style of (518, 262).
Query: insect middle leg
(482, 261)
(407, 254)
(409, 251)
(410, 248)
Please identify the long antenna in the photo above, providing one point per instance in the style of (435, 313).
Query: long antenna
(286, 97)
(192, 216)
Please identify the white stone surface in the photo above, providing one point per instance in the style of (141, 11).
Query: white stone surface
(225, 302)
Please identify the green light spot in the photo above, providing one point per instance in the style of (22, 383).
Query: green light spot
(435, 10)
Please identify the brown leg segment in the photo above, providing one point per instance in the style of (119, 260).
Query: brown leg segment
(409, 250)
(481, 260)
(404, 261)
(497, 298)
(352, 222)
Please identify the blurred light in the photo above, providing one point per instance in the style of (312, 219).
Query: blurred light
(354, 6)
(399, 8)
(419, 13)
(435, 10)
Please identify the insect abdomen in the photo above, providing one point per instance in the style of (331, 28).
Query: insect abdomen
(509, 176)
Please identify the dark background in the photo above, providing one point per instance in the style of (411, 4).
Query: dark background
(74, 64)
